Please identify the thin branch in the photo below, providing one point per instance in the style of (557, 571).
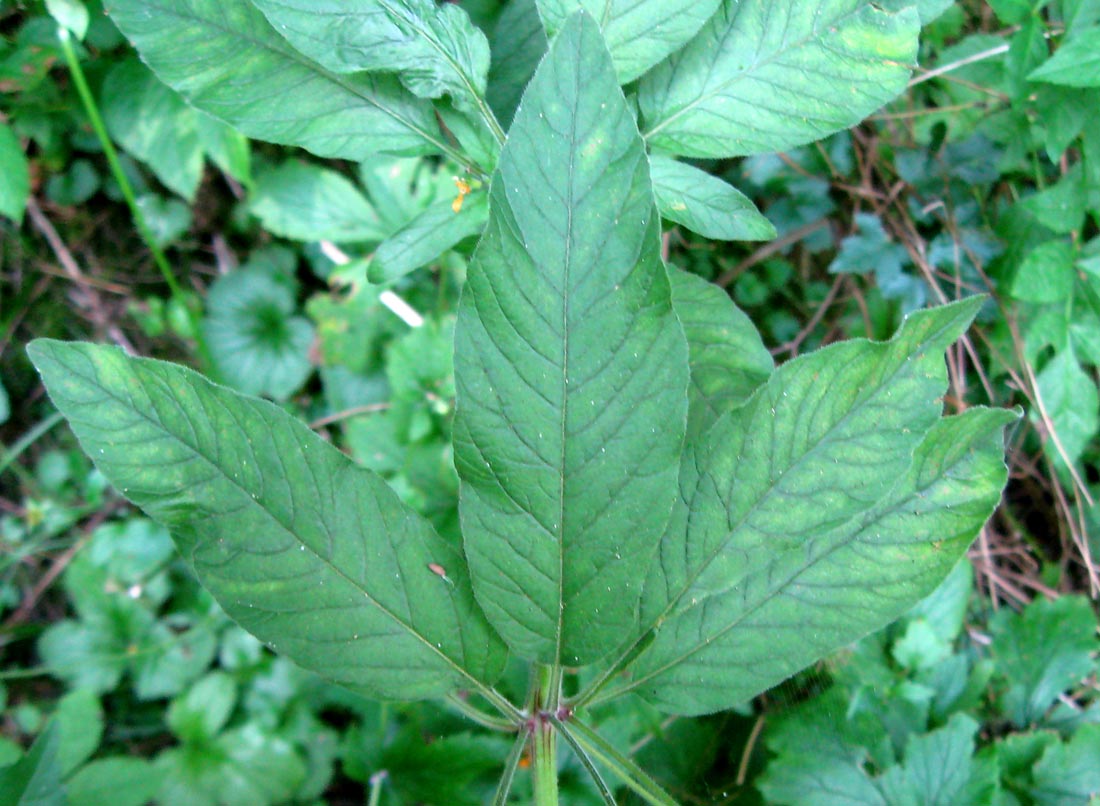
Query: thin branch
(771, 248)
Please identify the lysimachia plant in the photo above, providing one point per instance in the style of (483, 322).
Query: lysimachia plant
(645, 500)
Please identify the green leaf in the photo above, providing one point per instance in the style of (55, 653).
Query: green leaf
(83, 654)
(518, 44)
(937, 767)
(929, 9)
(1062, 113)
(302, 548)
(764, 76)
(945, 608)
(1062, 206)
(820, 751)
(1075, 64)
(130, 551)
(202, 712)
(1012, 12)
(16, 186)
(170, 654)
(305, 202)
(5, 405)
(75, 186)
(871, 249)
(1046, 273)
(1067, 774)
(225, 59)
(921, 647)
(571, 368)
(802, 494)
(426, 237)
(1072, 404)
(705, 204)
(1041, 653)
(445, 770)
(728, 361)
(1078, 14)
(638, 34)
(118, 781)
(226, 147)
(35, 780)
(434, 49)
(1018, 752)
(168, 219)
(80, 720)
(245, 766)
(154, 125)
(256, 342)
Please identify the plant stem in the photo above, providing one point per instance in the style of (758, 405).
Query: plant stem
(96, 119)
(544, 748)
(598, 749)
(590, 765)
(510, 767)
(546, 688)
(376, 781)
(8, 457)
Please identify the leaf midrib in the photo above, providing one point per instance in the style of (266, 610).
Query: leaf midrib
(563, 419)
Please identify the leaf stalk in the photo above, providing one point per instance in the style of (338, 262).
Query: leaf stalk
(599, 749)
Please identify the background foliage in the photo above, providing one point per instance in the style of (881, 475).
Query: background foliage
(121, 676)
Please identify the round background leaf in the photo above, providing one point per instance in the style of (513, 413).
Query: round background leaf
(258, 345)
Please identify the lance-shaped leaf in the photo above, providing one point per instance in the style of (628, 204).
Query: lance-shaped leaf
(639, 33)
(705, 204)
(305, 202)
(433, 48)
(796, 605)
(153, 124)
(303, 548)
(571, 368)
(431, 233)
(803, 495)
(819, 443)
(728, 361)
(763, 76)
(226, 59)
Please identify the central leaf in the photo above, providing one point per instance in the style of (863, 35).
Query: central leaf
(571, 368)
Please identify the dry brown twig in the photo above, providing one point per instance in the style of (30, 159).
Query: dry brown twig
(86, 296)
